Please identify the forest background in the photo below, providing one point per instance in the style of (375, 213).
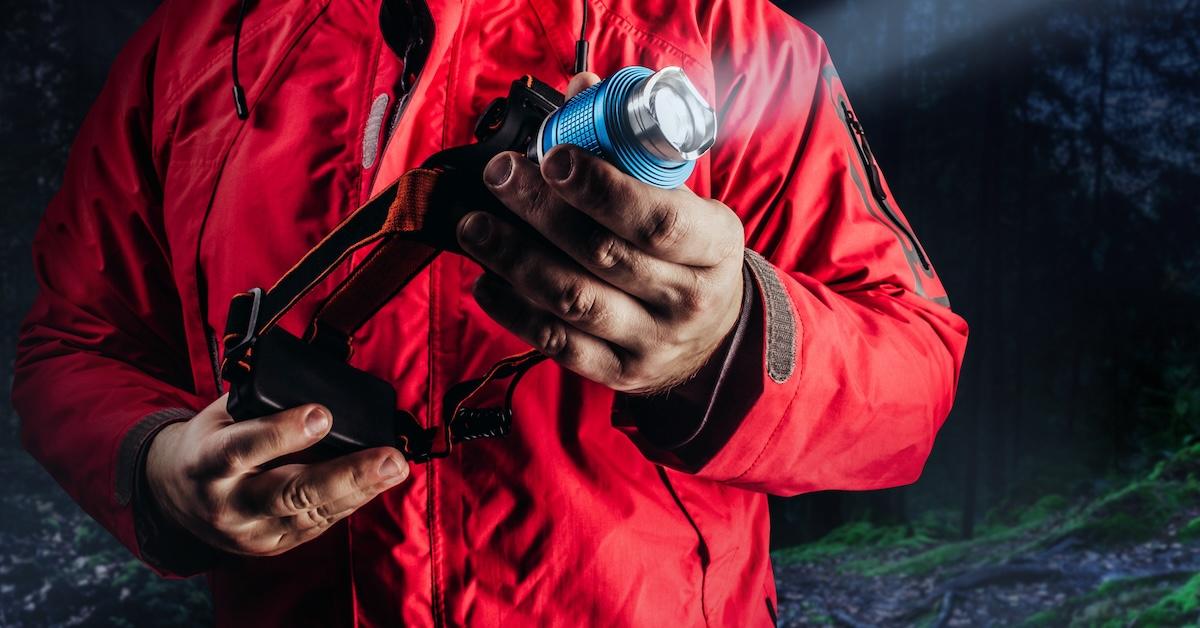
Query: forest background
(1045, 152)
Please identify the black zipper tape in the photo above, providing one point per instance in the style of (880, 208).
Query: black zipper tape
(875, 180)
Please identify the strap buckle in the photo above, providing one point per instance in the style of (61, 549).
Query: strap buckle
(245, 341)
(419, 444)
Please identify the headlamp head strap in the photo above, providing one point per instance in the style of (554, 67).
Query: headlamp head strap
(395, 221)
(408, 233)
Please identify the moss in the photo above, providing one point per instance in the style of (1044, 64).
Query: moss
(1190, 530)
(1132, 514)
(958, 554)
(1182, 465)
(993, 545)
(1176, 608)
(1046, 507)
(853, 536)
(1049, 618)
(1118, 603)
(942, 523)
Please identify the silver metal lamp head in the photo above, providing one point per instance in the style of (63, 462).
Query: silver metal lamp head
(670, 117)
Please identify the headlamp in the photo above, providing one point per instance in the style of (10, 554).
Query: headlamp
(651, 125)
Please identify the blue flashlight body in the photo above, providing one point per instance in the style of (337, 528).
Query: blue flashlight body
(596, 121)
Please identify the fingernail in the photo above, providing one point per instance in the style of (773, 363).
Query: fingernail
(560, 165)
(389, 468)
(498, 171)
(477, 227)
(316, 422)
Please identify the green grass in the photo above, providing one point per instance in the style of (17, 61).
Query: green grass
(852, 537)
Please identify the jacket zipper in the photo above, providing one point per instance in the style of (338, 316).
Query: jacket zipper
(420, 44)
(702, 550)
(875, 180)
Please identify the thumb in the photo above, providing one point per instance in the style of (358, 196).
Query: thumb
(580, 82)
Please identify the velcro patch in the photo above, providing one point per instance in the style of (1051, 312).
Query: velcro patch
(781, 323)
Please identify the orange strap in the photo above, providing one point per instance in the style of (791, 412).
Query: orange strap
(393, 263)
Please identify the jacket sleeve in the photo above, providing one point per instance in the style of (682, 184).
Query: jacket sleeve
(101, 358)
(849, 364)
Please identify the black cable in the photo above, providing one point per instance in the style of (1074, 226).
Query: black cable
(581, 46)
(239, 94)
(583, 22)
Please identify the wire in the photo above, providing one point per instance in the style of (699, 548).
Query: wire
(583, 22)
(581, 46)
(239, 94)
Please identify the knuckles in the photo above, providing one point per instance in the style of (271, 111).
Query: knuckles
(319, 518)
(662, 230)
(576, 302)
(551, 339)
(299, 496)
(605, 251)
(684, 301)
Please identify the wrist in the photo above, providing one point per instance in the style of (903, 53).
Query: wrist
(164, 542)
(158, 470)
(696, 383)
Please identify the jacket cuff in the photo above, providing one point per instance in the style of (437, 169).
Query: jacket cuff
(686, 436)
(162, 544)
(674, 418)
(131, 454)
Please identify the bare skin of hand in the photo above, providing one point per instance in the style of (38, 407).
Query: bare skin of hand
(207, 475)
(628, 285)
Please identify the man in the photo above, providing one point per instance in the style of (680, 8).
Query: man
(690, 376)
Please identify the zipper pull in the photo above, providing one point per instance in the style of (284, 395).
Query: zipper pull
(874, 177)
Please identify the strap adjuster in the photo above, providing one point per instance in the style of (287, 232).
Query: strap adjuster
(245, 341)
(476, 423)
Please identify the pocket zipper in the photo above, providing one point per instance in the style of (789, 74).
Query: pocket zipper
(214, 355)
(875, 179)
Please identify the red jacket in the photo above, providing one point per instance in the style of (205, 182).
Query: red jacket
(170, 205)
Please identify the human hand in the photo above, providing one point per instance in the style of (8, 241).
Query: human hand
(629, 285)
(207, 475)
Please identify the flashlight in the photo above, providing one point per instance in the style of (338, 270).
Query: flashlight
(651, 125)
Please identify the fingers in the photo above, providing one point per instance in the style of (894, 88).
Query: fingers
(580, 82)
(316, 494)
(240, 447)
(520, 186)
(673, 225)
(575, 350)
(305, 525)
(554, 283)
